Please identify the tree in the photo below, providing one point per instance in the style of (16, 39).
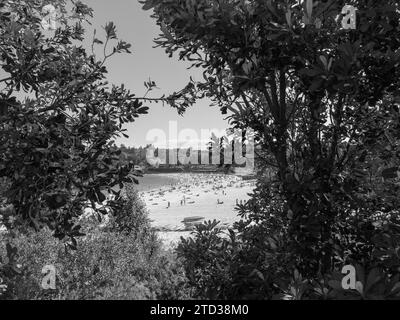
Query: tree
(59, 117)
(311, 91)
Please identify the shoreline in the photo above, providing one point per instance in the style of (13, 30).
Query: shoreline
(204, 196)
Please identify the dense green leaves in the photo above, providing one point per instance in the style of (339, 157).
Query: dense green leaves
(323, 103)
(57, 144)
(59, 117)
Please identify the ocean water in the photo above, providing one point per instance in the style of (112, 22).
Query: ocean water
(155, 181)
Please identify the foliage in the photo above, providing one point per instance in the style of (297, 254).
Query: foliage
(322, 101)
(123, 260)
(255, 261)
(132, 218)
(135, 155)
(56, 145)
(209, 259)
(106, 266)
(59, 116)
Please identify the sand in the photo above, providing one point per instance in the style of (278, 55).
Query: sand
(212, 196)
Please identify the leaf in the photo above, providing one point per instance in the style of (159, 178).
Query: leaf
(149, 4)
(272, 9)
(100, 196)
(123, 46)
(318, 23)
(110, 29)
(359, 287)
(166, 32)
(324, 61)
(310, 72)
(289, 18)
(247, 67)
(142, 110)
(258, 274)
(390, 173)
(272, 243)
(297, 274)
(395, 288)
(309, 5)
(29, 37)
(95, 40)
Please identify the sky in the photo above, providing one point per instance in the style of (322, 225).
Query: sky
(135, 26)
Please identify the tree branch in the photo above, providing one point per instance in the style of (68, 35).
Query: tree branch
(5, 79)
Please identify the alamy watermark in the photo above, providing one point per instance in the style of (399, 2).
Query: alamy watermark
(186, 147)
(49, 279)
(50, 17)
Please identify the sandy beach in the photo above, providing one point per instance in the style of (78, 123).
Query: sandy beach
(188, 195)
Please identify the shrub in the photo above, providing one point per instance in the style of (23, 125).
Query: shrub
(132, 218)
(209, 260)
(124, 260)
(106, 265)
(257, 260)
(219, 265)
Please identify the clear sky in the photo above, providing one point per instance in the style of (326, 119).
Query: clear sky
(135, 26)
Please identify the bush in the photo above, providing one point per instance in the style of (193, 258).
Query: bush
(256, 259)
(106, 265)
(220, 265)
(133, 216)
(125, 260)
(209, 262)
